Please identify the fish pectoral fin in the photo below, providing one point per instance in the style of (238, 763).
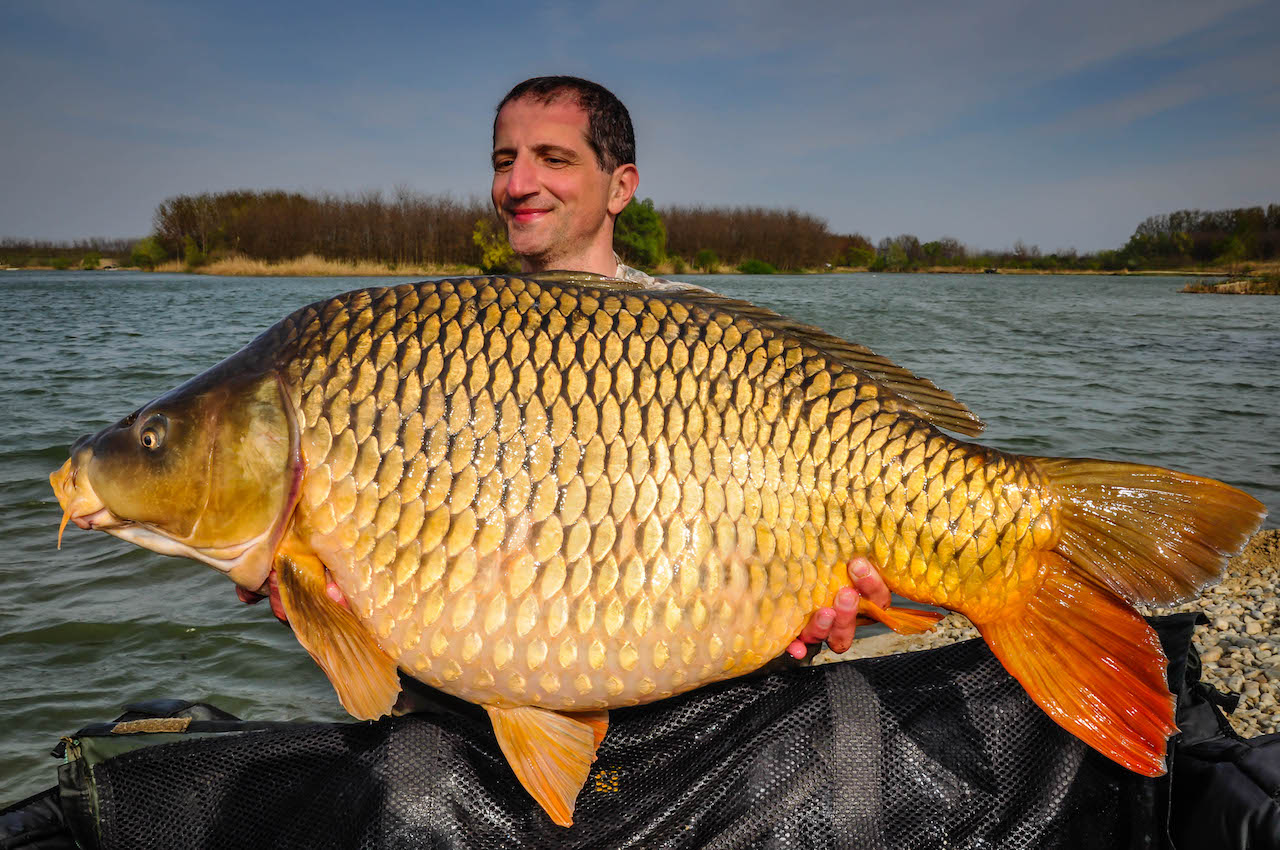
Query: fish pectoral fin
(364, 676)
(904, 621)
(1092, 663)
(550, 752)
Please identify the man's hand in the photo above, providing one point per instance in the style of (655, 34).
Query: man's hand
(273, 593)
(836, 625)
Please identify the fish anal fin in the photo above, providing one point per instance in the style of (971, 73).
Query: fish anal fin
(904, 621)
(361, 672)
(597, 720)
(1092, 663)
(550, 752)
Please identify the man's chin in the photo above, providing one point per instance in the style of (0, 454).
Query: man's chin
(533, 254)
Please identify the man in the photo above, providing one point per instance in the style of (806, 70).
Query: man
(563, 170)
(564, 157)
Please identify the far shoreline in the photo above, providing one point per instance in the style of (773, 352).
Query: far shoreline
(314, 266)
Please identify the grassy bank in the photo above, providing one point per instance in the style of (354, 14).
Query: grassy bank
(314, 266)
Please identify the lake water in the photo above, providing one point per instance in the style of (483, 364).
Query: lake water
(1109, 367)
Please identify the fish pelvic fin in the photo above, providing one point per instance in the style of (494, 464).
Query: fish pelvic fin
(364, 676)
(1093, 664)
(1151, 535)
(902, 620)
(551, 752)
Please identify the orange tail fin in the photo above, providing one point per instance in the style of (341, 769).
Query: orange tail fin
(1152, 535)
(1127, 534)
(1093, 664)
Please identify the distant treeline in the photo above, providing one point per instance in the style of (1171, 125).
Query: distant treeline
(414, 229)
(1188, 237)
(408, 228)
(783, 238)
(81, 253)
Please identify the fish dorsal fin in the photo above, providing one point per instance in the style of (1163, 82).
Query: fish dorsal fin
(925, 398)
(364, 676)
(550, 752)
(919, 395)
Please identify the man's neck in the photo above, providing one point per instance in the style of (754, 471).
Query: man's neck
(599, 261)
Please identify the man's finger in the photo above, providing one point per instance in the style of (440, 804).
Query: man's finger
(332, 590)
(868, 581)
(819, 626)
(248, 597)
(846, 620)
(277, 607)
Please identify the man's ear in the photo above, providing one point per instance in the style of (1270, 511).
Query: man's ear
(622, 187)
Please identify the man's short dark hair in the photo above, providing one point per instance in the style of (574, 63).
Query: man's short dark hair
(609, 131)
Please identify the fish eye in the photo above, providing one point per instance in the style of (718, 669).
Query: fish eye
(152, 434)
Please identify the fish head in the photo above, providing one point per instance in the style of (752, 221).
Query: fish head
(208, 471)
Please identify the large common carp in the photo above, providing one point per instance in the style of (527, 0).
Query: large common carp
(560, 494)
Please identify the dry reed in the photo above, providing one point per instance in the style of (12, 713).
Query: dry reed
(311, 265)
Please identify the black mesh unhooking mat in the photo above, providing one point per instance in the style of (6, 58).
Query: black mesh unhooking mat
(924, 750)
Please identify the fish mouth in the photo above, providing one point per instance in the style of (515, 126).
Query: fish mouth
(101, 519)
(79, 503)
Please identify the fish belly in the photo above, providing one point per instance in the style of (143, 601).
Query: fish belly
(603, 638)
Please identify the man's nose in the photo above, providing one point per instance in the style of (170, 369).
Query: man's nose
(522, 179)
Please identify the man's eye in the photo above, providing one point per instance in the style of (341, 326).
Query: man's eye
(502, 164)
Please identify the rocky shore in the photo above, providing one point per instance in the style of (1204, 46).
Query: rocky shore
(1269, 285)
(1239, 647)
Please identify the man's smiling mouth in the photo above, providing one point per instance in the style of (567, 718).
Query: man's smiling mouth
(526, 214)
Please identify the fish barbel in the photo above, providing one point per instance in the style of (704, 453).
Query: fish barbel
(559, 494)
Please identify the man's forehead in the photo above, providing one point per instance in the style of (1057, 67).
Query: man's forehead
(530, 113)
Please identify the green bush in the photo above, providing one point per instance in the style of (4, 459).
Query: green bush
(857, 256)
(706, 260)
(756, 267)
(91, 261)
(678, 265)
(496, 256)
(639, 235)
(60, 263)
(192, 256)
(147, 253)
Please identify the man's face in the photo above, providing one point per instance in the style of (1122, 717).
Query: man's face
(547, 185)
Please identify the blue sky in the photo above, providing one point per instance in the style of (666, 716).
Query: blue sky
(1061, 124)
